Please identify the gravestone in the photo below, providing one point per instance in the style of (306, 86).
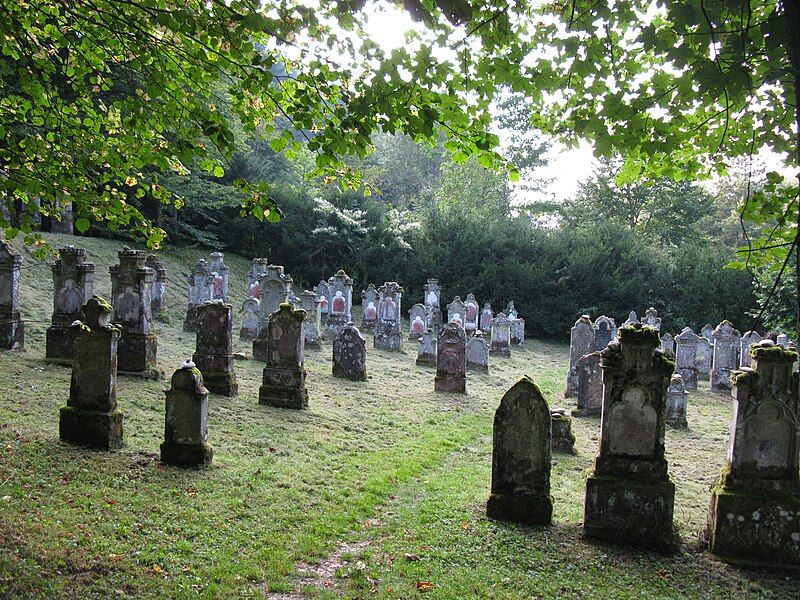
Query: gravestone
(590, 385)
(518, 332)
(340, 303)
(487, 314)
(686, 357)
(251, 320)
(350, 354)
(748, 339)
(433, 296)
(562, 440)
(61, 221)
(158, 293)
(73, 286)
(629, 495)
(471, 310)
(726, 339)
(284, 378)
(651, 319)
(705, 352)
(668, 344)
(323, 291)
(426, 354)
(521, 456)
(310, 303)
(258, 267)
(219, 271)
(275, 289)
(369, 308)
(214, 347)
(131, 284)
(12, 327)
(501, 336)
(91, 417)
(201, 290)
(707, 332)
(581, 341)
(511, 312)
(387, 331)
(782, 340)
(633, 319)
(186, 420)
(754, 515)
(605, 331)
(676, 403)
(416, 319)
(478, 353)
(451, 359)
(455, 311)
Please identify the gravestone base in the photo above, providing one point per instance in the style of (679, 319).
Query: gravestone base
(344, 373)
(247, 334)
(60, 344)
(190, 323)
(456, 385)
(474, 367)
(90, 428)
(502, 351)
(186, 455)
(634, 511)
(283, 388)
(314, 344)
(755, 528)
(334, 326)
(12, 331)
(426, 360)
(223, 383)
(563, 440)
(260, 349)
(524, 507)
(677, 422)
(137, 355)
(720, 381)
(586, 411)
(689, 378)
(517, 342)
(388, 341)
(368, 326)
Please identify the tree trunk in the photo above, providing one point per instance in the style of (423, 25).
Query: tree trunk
(792, 10)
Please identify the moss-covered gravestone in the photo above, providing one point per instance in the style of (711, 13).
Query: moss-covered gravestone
(201, 290)
(629, 495)
(563, 440)
(275, 286)
(590, 385)
(73, 286)
(91, 417)
(451, 360)
(186, 420)
(426, 353)
(754, 517)
(581, 341)
(12, 328)
(725, 361)
(686, 357)
(284, 379)
(350, 354)
(501, 336)
(676, 403)
(214, 347)
(521, 458)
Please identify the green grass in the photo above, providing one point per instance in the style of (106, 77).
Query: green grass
(370, 473)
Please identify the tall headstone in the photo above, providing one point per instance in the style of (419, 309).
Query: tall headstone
(12, 327)
(219, 270)
(73, 286)
(323, 291)
(521, 456)
(726, 339)
(456, 310)
(651, 319)
(686, 357)
(511, 312)
(433, 296)
(487, 314)
(629, 495)
(131, 285)
(754, 516)
(417, 323)
(251, 319)
(258, 267)
(369, 308)
(451, 359)
(275, 288)
(201, 290)
(91, 417)
(668, 344)
(186, 420)
(782, 340)
(478, 353)
(705, 353)
(426, 354)
(581, 341)
(633, 319)
(158, 304)
(708, 332)
(605, 331)
(501, 336)
(518, 332)
(350, 354)
(387, 331)
(471, 313)
(590, 385)
(748, 339)
(214, 347)
(340, 303)
(676, 403)
(62, 221)
(284, 379)
(310, 303)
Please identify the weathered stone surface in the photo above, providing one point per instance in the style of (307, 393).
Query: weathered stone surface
(748, 339)
(73, 286)
(451, 359)
(340, 303)
(518, 332)
(201, 290)
(633, 319)
(725, 361)
(511, 312)
(62, 221)
(417, 316)
(521, 455)
(426, 354)
(323, 291)
(158, 293)
(433, 295)
(478, 353)
(284, 378)
(214, 349)
(651, 319)
(350, 354)
(782, 340)
(686, 357)
(501, 336)
(708, 332)
(471, 310)
(629, 496)
(455, 311)
(275, 286)
(12, 327)
(311, 303)
(91, 417)
(258, 267)
(590, 385)
(369, 308)
(219, 270)
(581, 342)
(704, 355)
(754, 515)
(676, 403)
(251, 321)
(487, 314)
(668, 345)
(186, 420)
(605, 331)
(387, 330)
(563, 440)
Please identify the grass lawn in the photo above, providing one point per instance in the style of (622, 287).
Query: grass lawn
(377, 490)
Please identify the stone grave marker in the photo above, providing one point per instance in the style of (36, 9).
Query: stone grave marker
(748, 339)
(581, 341)
(487, 314)
(705, 352)
(350, 354)
(605, 331)
(725, 361)
(433, 295)
(676, 403)
(478, 353)
(387, 331)
(251, 320)
(518, 332)
(258, 267)
(323, 291)
(451, 359)
(12, 327)
(668, 344)
(471, 310)
(219, 270)
(782, 340)
(562, 440)
(73, 286)
(310, 303)
(426, 354)
(417, 323)
(186, 420)
(214, 347)
(275, 286)
(633, 319)
(201, 290)
(369, 308)
(158, 294)
(590, 385)
(455, 311)
(708, 332)
(651, 319)
(340, 303)
(511, 312)
(686, 357)
(284, 378)
(501, 336)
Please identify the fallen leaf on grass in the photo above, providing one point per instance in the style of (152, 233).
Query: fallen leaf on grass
(424, 586)
(116, 557)
(412, 557)
(156, 569)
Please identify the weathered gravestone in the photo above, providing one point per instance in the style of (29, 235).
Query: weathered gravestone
(562, 440)
(186, 420)
(73, 286)
(340, 303)
(284, 379)
(310, 303)
(629, 495)
(707, 332)
(131, 284)
(676, 403)
(62, 220)
(487, 314)
(633, 319)
(471, 310)
(91, 417)
(201, 290)
(416, 319)
(748, 339)
(158, 293)
(426, 354)
(219, 270)
(521, 456)
(605, 331)
(323, 291)
(651, 319)
(387, 331)
(511, 311)
(590, 385)
(686, 357)
(350, 354)
(275, 289)
(726, 339)
(214, 348)
(581, 341)
(782, 340)
(501, 336)
(668, 344)
(754, 516)
(433, 295)
(369, 308)
(12, 328)
(258, 267)
(518, 332)
(451, 360)
(705, 352)
(478, 353)
(251, 321)
(455, 311)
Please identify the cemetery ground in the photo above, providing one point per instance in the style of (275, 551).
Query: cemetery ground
(378, 489)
